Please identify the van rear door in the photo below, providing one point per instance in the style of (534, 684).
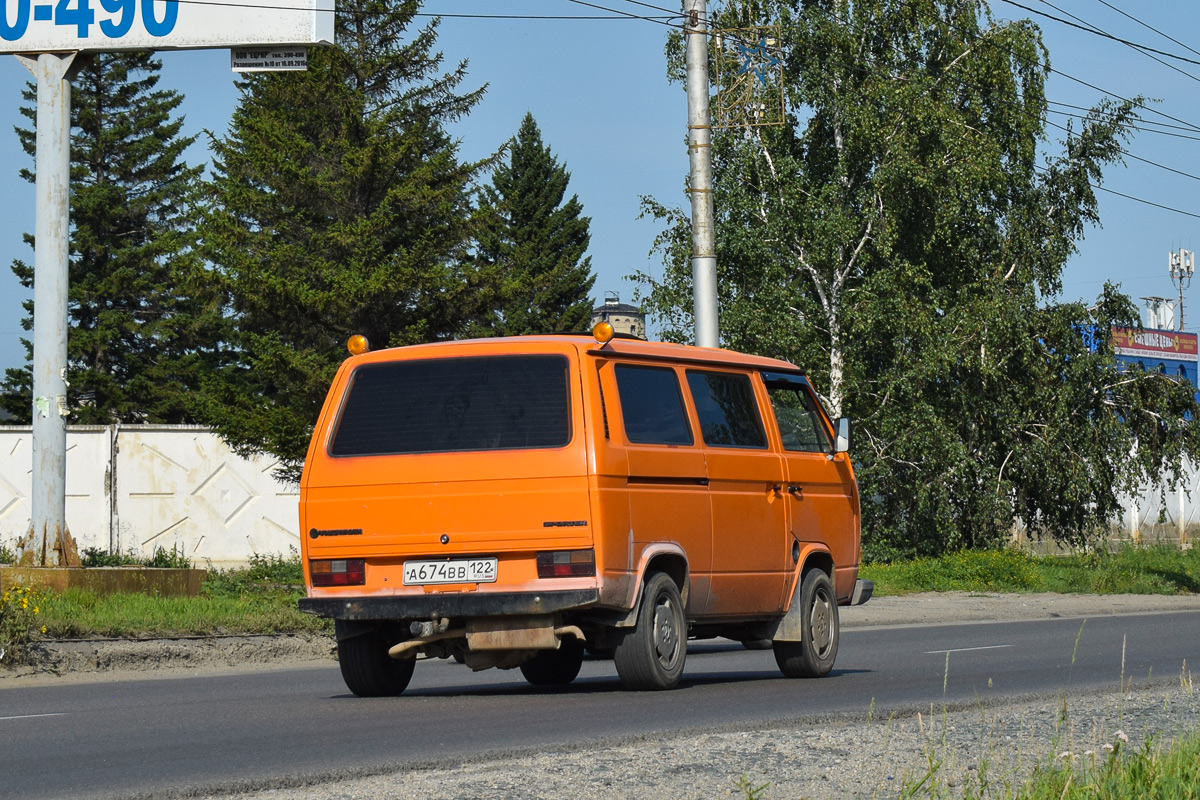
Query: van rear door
(450, 451)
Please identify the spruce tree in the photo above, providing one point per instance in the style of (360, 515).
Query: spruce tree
(340, 207)
(534, 242)
(142, 317)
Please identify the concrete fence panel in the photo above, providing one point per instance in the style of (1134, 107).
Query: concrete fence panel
(132, 489)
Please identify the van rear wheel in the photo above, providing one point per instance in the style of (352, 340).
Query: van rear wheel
(555, 667)
(814, 654)
(651, 656)
(367, 668)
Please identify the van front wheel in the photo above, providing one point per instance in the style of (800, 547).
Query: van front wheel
(651, 655)
(367, 668)
(814, 654)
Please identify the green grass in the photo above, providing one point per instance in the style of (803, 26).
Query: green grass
(258, 599)
(1150, 570)
(1150, 773)
(81, 614)
(1153, 772)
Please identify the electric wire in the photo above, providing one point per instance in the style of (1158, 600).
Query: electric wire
(1128, 154)
(1142, 121)
(1138, 128)
(1088, 27)
(1149, 27)
(625, 15)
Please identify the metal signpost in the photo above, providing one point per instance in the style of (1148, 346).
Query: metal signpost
(48, 36)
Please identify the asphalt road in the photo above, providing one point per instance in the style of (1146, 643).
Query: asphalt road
(158, 736)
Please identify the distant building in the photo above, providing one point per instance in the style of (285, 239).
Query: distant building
(1170, 352)
(623, 317)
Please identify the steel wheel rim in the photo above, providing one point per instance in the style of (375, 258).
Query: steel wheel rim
(820, 623)
(666, 633)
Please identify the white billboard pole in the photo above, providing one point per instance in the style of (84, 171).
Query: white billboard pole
(48, 543)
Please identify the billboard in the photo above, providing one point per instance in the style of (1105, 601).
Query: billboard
(1154, 344)
(53, 26)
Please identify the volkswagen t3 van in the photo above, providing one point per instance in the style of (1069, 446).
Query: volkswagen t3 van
(512, 502)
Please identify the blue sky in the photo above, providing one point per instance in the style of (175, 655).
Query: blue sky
(599, 93)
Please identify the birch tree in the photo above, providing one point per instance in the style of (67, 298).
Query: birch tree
(902, 239)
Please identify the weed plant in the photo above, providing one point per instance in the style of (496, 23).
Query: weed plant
(1129, 570)
(7, 556)
(266, 574)
(20, 607)
(160, 558)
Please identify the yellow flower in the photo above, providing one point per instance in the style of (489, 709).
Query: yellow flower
(43, 629)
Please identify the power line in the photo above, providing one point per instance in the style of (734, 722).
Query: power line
(1015, 55)
(1149, 27)
(1137, 128)
(1081, 82)
(625, 13)
(1143, 49)
(1142, 121)
(1128, 154)
(1088, 27)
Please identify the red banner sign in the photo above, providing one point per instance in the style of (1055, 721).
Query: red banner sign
(1173, 345)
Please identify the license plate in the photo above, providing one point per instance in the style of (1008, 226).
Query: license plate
(461, 570)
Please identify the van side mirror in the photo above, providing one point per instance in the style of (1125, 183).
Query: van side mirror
(842, 427)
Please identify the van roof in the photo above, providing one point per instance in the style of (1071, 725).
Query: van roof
(585, 343)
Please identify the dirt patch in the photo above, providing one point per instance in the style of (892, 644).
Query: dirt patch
(88, 657)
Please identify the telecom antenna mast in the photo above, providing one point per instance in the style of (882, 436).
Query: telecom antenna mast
(1181, 265)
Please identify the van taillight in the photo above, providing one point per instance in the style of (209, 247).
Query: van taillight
(566, 564)
(342, 572)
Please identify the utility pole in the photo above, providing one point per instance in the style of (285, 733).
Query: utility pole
(48, 542)
(704, 257)
(1181, 266)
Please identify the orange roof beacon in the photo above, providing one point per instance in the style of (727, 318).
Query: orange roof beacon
(510, 502)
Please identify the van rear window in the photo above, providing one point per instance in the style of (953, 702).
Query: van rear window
(455, 404)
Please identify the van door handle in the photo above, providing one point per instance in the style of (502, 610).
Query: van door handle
(796, 491)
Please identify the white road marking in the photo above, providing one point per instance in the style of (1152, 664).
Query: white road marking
(34, 716)
(968, 649)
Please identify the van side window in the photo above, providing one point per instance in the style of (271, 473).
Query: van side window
(651, 405)
(726, 408)
(800, 425)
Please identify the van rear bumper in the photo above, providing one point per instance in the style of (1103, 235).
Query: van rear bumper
(434, 606)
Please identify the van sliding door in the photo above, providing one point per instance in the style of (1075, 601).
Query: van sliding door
(750, 540)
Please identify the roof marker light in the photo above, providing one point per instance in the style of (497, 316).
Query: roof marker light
(603, 331)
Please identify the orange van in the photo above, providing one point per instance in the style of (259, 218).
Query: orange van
(511, 502)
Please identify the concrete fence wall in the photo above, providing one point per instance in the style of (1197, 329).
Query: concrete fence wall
(131, 489)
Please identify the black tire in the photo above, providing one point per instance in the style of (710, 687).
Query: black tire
(814, 654)
(651, 655)
(367, 668)
(555, 667)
